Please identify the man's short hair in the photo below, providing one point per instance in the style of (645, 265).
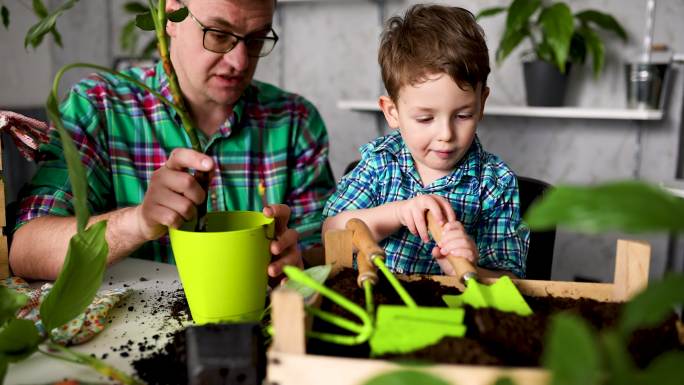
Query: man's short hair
(433, 39)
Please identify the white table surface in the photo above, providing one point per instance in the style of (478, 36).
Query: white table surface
(126, 325)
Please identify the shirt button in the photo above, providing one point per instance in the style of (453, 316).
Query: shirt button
(213, 195)
(400, 270)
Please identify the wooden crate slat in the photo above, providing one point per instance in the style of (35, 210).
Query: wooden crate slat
(4, 258)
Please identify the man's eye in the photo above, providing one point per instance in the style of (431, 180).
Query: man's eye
(218, 37)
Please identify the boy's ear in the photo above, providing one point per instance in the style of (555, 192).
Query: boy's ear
(483, 98)
(389, 109)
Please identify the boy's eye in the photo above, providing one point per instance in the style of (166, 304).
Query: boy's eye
(464, 116)
(424, 119)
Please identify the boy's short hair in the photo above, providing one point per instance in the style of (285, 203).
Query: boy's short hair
(433, 39)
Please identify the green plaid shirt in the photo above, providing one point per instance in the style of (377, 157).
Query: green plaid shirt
(125, 133)
(482, 190)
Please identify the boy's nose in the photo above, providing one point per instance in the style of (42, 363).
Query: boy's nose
(446, 132)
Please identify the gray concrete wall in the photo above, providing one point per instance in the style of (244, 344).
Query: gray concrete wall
(328, 53)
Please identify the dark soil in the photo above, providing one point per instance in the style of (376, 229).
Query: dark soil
(492, 337)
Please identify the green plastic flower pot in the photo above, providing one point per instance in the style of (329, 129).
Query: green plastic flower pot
(224, 270)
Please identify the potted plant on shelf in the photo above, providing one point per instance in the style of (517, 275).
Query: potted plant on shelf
(557, 38)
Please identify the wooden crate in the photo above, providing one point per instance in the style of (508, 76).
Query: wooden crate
(288, 362)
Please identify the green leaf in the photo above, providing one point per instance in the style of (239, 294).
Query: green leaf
(406, 377)
(571, 352)
(18, 339)
(10, 302)
(4, 363)
(35, 34)
(57, 36)
(558, 26)
(149, 49)
(519, 13)
(604, 21)
(489, 12)
(135, 7)
(578, 49)
(144, 21)
(77, 175)
(630, 206)
(665, 369)
(79, 279)
(5, 16)
(653, 305)
(595, 46)
(129, 37)
(178, 15)
(620, 367)
(504, 381)
(317, 273)
(509, 41)
(39, 9)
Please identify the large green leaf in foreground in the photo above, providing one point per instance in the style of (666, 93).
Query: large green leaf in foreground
(629, 206)
(79, 279)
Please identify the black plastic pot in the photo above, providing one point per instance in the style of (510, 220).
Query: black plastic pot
(544, 83)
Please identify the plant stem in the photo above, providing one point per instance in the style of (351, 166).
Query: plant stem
(159, 18)
(84, 359)
(403, 294)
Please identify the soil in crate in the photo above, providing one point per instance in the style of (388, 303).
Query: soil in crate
(492, 337)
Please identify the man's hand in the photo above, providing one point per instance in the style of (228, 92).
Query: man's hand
(411, 213)
(173, 193)
(284, 248)
(457, 242)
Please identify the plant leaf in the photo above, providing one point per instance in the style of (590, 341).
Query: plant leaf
(3, 367)
(489, 12)
(39, 9)
(652, 306)
(509, 41)
(317, 273)
(519, 13)
(619, 365)
(129, 37)
(571, 352)
(595, 46)
(602, 20)
(178, 15)
(144, 21)
(504, 381)
(135, 7)
(578, 49)
(79, 279)
(57, 36)
(35, 34)
(630, 206)
(77, 175)
(18, 339)
(10, 302)
(558, 26)
(406, 377)
(5, 16)
(665, 369)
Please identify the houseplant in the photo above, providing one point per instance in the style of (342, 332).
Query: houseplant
(556, 38)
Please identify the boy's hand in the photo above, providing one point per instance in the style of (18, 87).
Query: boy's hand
(411, 213)
(457, 242)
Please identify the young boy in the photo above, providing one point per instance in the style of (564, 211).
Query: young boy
(434, 66)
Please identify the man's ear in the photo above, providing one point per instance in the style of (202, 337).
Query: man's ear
(171, 6)
(389, 109)
(483, 98)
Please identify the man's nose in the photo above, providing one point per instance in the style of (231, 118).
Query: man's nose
(237, 57)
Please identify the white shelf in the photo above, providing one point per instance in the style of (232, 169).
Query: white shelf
(535, 112)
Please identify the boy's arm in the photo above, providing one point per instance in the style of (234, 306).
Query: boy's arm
(381, 220)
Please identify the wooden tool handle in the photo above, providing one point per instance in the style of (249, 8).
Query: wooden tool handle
(363, 239)
(366, 270)
(462, 267)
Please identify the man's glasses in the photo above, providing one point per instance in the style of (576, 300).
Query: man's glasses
(219, 41)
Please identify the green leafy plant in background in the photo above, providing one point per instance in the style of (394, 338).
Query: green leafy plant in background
(130, 33)
(556, 35)
(84, 264)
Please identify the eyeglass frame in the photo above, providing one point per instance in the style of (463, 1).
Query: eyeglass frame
(238, 38)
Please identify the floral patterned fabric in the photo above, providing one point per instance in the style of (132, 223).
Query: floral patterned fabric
(79, 330)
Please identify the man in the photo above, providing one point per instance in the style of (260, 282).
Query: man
(258, 141)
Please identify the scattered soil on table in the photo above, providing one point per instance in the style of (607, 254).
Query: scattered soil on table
(493, 337)
(166, 366)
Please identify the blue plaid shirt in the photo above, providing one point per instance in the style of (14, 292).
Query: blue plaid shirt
(482, 190)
